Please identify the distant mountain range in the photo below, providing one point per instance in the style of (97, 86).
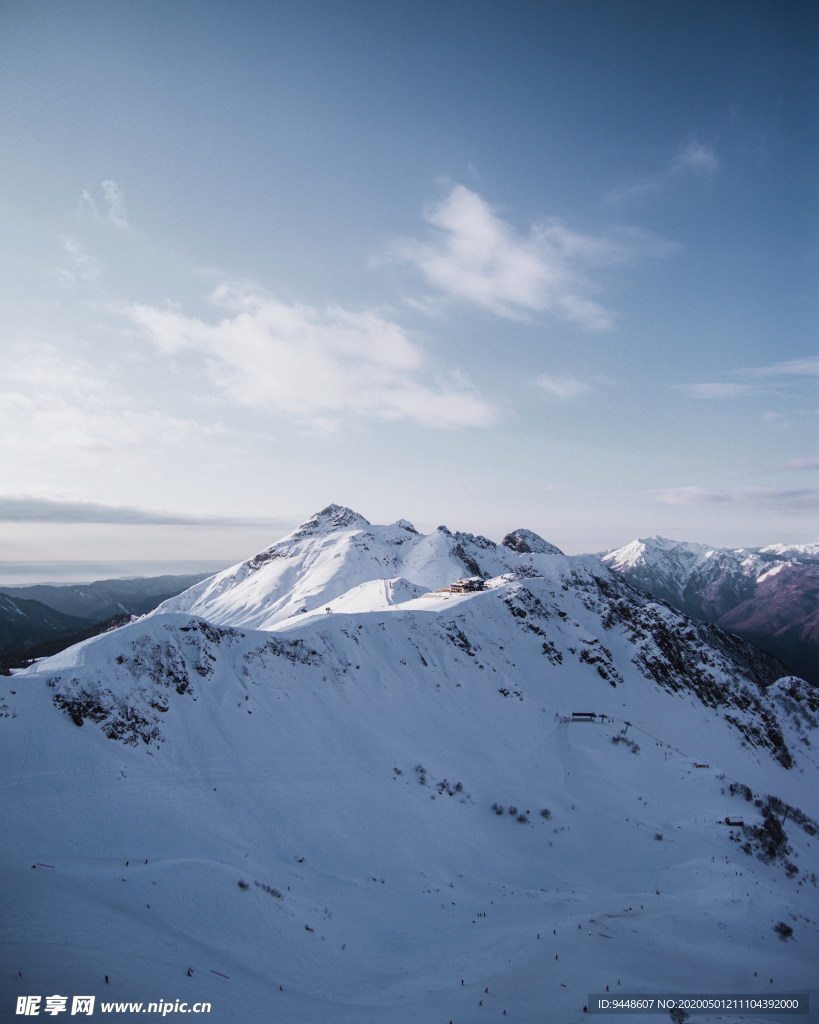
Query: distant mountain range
(372, 775)
(769, 596)
(25, 623)
(41, 619)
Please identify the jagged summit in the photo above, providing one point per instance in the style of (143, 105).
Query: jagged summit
(527, 542)
(338, 550)
(644, 549)
(333, 517)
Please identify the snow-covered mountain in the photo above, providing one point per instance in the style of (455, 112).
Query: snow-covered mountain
(769, 596)
(338, 550)
(793, 552)
(323, 786)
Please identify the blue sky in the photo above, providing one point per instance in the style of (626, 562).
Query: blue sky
(496, 265)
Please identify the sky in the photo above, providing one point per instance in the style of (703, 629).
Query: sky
(533, 264)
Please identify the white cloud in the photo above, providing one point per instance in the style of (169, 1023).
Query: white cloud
(317, 365)
(475, 256)
(65, 408)
(565, 388)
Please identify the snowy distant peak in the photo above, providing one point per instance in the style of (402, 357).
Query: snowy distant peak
(525, 542)
(658, 543)
(766, 595)
(647, 550)
(792, 552)
(330, 519)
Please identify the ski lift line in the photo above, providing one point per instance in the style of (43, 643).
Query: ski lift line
(634, 823)
(670, 747)
(665, 743)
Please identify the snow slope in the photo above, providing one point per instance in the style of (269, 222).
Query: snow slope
(316, 817)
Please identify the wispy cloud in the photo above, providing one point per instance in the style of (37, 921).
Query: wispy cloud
(812, 463)
(563, 388)
(755, 380)
(695, 158)
(719, 389)
(690, 495)
(315, 364)
(473, 255)
(794, 499)
(32, 509)
(807, 367)
(693, 161)
(79, 265)
(115, 207)
(798, 465)
(112, 208)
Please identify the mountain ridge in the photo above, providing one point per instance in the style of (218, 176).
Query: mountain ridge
(409, 802)
(769, 596)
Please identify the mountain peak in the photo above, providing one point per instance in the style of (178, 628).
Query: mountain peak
(405, 524)
(329, 519)
(526, 542)
(660, 543)
(649, 549)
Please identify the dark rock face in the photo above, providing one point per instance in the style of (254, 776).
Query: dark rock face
(782, 616)
(333, 517)
(527, 542)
